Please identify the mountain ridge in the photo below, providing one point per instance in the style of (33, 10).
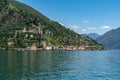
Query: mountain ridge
(92, 35)
(110, 39)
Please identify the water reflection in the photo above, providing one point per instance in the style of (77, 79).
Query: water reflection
(59, 65)
(15, 65)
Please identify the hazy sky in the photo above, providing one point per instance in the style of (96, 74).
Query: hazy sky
(82, 16)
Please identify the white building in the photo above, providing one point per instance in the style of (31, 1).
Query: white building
(48, 48)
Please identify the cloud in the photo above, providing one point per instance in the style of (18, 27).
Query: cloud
(105, 27)
(88, 30)
(84, 30)
(86, 21)
(74, 26)
(91, 28)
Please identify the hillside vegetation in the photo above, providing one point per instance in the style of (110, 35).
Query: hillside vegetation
(21, 26)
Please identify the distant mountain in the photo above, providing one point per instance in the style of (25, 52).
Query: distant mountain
(92, 35)
(110, 39)
(22, 27)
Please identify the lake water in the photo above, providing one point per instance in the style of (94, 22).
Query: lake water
(60, 65)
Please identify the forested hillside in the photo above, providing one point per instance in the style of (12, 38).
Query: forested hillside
(21, 26)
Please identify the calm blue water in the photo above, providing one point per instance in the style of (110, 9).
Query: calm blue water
(60, 65)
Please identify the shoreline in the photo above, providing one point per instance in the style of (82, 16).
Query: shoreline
(42, 49)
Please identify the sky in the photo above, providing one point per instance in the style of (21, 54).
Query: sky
(82, 16)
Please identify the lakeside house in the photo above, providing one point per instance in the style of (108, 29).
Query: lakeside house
(81, 48)
(33, 47)
(65, 48)
(48, 48)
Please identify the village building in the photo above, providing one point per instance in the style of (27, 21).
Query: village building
(81, 48)
(10, 43)
(48, 48)
(44, 44)
(24, 30)
(33, 47)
